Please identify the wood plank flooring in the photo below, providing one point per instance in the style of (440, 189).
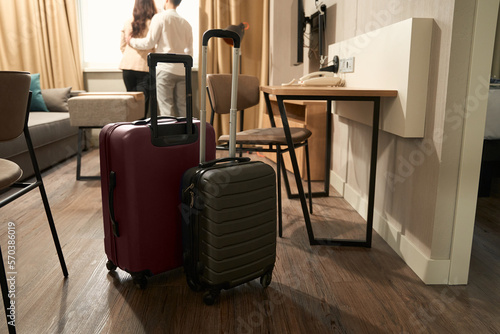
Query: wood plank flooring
(314, 289)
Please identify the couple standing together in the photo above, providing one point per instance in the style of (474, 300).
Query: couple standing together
(162, 32)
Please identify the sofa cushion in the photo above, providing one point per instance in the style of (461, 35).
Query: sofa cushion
(99, 109)
(45, 128)
(56, 99)
(37, 102)
(53, 137)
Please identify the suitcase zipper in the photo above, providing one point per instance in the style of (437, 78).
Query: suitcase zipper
(195, 178)
(193, 226)
(112, 234)
(191, 194)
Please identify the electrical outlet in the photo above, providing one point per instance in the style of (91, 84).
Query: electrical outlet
(346, 65)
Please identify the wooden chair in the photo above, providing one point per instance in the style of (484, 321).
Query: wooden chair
(260, 139)
(15, 98)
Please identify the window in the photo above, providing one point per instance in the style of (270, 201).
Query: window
(102, 21)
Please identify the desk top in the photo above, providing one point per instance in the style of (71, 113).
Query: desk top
(304, 102)
(328, 91)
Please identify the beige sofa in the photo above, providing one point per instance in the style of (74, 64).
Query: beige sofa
(53, 137)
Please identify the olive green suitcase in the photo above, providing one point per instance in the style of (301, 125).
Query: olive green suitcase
(229, 214)
(229, 228)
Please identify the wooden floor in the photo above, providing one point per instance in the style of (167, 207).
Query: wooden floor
(314, 289)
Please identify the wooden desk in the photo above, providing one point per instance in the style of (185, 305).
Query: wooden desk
(330, 94)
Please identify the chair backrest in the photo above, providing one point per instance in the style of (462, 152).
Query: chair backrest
(219, 88)
(14, 93)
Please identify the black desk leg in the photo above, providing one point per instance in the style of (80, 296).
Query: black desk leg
(328, 153)
(373, 172)
(296, 172)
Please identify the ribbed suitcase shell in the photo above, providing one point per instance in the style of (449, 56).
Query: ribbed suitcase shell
(230, 231)
(229, 208)
(146, 198)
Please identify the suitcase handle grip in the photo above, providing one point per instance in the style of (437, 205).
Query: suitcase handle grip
(222, 160)
(176, 134)
(111, 197)
(148, 120)
(155, 58)
(222, 33)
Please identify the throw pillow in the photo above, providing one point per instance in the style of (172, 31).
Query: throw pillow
(37, 102)
(56, 99)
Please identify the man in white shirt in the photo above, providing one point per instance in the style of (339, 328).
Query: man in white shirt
(171, 33)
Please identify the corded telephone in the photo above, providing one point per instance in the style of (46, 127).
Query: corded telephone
(320, 78)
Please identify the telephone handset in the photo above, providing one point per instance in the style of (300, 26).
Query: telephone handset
(319, 74)
(320, 78)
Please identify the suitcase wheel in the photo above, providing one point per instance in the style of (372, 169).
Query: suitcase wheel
(110, 265)
(266, 279)
(211, 296)
(140, 280)
(193, 285)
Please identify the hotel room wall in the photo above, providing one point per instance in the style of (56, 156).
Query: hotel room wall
(406, 201)
(417, 178)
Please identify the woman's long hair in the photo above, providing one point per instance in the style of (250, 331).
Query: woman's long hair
(143, 11)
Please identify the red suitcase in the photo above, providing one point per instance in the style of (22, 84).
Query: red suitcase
(142, 164)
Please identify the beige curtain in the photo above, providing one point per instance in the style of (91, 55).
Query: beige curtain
(218, 14)
(41, 36)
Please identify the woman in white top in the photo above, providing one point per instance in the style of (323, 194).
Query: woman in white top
(134, 62)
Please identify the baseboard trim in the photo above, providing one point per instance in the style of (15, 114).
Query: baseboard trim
(337, 182)
(430, 271)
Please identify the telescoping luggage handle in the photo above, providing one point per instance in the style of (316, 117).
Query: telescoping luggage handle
(173, 134)
(220, 33)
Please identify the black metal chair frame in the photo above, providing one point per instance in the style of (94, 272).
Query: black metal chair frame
(24, 188)
(280, 164)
